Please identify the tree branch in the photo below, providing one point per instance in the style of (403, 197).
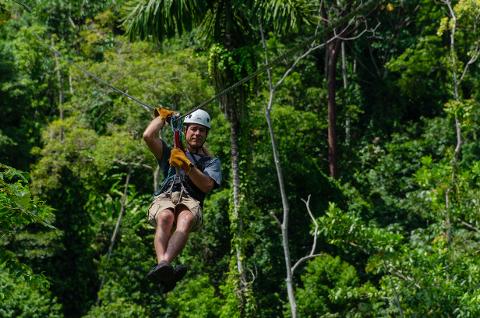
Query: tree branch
(315, 237)
(137, 164)
(278, 167)
(311, 49)
(276, 218)
(470, 226)
(472, 60)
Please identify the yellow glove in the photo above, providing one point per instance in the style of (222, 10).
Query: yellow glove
(178, 159)
(164, 113)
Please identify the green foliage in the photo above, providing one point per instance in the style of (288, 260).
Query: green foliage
(120, 307)
(118, 149)
(417, 262)
(71, 152)
(222, 61)
(300, 155)
(407, 31)
(420, 71)
(96, 37)
(331, 287)
(23, 293)
(197, 299)
(64, 17)
(123, 273)
(20, 297)
(349, 231)
(17, 206)
(25, 87)
(466, 31)
(398, 229)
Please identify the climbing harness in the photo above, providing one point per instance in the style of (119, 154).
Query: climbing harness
(175, 179)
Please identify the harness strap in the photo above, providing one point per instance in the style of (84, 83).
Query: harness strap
(176, 124)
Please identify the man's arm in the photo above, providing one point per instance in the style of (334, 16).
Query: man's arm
(202, 181)
(152, 138)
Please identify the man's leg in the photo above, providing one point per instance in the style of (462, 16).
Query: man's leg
(163, 231)
(185, 221)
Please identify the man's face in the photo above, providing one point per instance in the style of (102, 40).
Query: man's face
(196, 135)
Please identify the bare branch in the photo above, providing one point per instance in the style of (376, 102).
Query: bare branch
(316, 47)
(254, 276)
(281, 183)
(320, 18)
(472, 60)
(405, 278)
(363, 249)
(284, 224)
(137, 164)
(470, 226)
(315, 236)
(315, 232)
(448, 3)
(303, 259)
(360, 34)
(276, 218)
(297, 60)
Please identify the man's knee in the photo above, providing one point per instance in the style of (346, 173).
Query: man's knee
(165, 217)
(185, 220)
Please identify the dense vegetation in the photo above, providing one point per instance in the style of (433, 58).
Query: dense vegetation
(376, 135)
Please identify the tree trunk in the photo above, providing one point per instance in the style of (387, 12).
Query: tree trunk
(283, 194)
(458, 128)
(60, 90)
(237, 218)
(345, 85)
(231, 104)
(123, 205)
(286, 210)
(332, 56)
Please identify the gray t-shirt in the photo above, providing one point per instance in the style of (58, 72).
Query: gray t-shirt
(210, 166)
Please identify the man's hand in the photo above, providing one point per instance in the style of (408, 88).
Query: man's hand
(164, 113)
(178, 159)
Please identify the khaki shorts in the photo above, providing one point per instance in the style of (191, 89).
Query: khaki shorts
(172, 201)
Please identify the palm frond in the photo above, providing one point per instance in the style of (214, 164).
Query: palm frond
(286, 16)
(161, 19)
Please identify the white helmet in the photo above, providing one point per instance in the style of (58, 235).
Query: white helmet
(200, 117)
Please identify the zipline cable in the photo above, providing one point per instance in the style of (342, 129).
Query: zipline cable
(145, 106)
(260, 70)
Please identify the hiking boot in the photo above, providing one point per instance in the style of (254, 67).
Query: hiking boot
(162, 272)
(178, 273)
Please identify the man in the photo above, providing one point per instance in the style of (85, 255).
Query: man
(177, 208)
